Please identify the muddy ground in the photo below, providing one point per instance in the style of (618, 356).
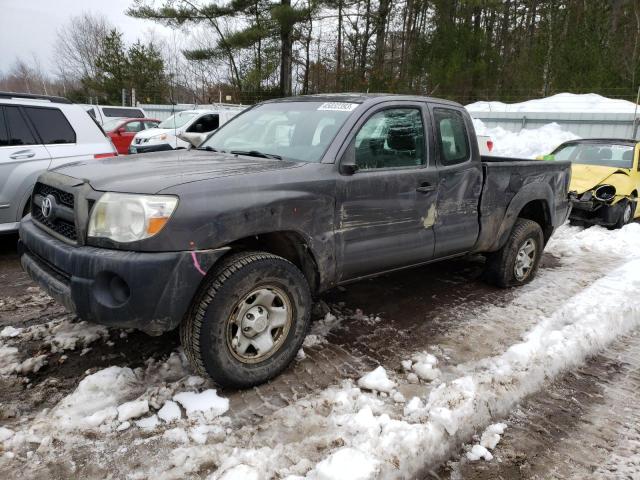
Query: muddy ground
(584, 425)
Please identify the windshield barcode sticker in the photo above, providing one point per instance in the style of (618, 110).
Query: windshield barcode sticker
(338, 106)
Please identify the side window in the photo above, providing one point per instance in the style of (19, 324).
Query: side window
(206, 123)
(391, 138)
(51, 125)
(4, 135)
(150, 125)
(452, 136)
(19, 131)
(133, 127)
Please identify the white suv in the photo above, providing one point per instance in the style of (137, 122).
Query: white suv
(182, 129)
(39, 133)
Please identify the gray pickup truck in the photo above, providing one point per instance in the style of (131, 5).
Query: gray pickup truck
(232, 240)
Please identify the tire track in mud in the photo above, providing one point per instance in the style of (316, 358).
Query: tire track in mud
(584, 425)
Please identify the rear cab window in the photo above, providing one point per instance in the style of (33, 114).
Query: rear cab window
(452, 136)
(51, 124)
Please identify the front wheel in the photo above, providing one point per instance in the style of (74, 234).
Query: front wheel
(249, 321)
(626, 213)
(516, 263)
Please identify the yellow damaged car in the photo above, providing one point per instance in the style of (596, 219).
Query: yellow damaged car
(605, 180)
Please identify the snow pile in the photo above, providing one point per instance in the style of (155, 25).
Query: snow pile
(70, 335)
(133, 409)
(207, 404)
(528, 143)
(9, 361)
(489, 440)
(10, 332)
(170, 412)
(377, 380)
(320, 330)
(96, 398)
(347, 464)
(562, 102)
(423, 364)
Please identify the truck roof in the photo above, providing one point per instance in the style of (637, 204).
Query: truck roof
(352, 97)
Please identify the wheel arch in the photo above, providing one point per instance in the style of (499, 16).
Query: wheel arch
(287, 244)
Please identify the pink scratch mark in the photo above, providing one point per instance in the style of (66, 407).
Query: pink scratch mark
(196, 263)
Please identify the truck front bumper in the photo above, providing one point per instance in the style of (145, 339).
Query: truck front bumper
(148, 291)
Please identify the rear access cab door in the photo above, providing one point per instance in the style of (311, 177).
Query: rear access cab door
(385, 208)
(456, 224)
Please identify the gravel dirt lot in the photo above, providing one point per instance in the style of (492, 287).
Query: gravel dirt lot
(582, 424)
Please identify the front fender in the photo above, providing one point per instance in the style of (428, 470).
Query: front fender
(623, 183)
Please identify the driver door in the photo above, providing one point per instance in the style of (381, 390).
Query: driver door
(386, 209)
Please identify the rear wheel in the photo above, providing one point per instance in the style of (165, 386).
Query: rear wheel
(516, 263)
(249, 321)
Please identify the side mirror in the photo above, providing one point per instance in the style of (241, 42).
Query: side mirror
(348, 164)
(121, 130)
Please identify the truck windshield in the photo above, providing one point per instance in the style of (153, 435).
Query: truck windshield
(177, 120)
(297, 131)
(606, 155)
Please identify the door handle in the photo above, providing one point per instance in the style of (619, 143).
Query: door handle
(425, 188)
(22, 154)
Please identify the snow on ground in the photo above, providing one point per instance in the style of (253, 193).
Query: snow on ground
(349, 427)
(57, 336)
(562, 102)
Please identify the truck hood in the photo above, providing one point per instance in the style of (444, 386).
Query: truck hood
(153, 172)
(586, 177)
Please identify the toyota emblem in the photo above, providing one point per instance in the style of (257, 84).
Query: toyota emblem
(46, 207)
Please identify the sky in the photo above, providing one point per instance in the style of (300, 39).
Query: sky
(29, 27)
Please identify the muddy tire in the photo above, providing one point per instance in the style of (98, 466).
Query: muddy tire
(626, 214)
(249, 320)
(516, 263)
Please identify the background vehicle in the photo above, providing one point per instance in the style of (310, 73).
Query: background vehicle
(103, 113)
(182, 129)
(39, 133)
(605, 180)
(122, 131)
(292, 197)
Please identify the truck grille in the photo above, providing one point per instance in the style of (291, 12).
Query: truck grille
(61, 226)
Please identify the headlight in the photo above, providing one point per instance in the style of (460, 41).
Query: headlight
(125, 218)
(604, 193)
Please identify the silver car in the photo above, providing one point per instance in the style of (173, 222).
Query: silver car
(39, 133)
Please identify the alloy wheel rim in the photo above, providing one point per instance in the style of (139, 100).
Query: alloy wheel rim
(259, 324)
(525, 259)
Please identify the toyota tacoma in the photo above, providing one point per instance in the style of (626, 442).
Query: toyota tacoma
(232, 240)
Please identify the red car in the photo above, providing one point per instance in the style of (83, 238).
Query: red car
(122, 130)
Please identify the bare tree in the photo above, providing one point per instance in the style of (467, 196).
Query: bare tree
(78, 45)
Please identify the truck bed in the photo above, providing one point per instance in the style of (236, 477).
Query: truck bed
(506, 180)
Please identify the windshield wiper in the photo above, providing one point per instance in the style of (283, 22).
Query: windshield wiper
(207, 148)
(256, 153)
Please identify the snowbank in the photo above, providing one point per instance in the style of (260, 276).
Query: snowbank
(562, 102)
(528, 143)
